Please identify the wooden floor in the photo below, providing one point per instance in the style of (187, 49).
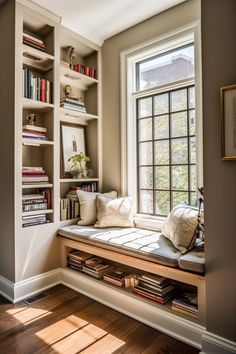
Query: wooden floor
(67, 322)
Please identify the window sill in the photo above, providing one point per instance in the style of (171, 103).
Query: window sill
(149, 222)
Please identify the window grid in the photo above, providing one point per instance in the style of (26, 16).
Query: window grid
(170, 140)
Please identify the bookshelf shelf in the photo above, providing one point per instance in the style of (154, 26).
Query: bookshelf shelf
(36, 186)
(27, 103)
(37, 59)
(37, 212)
(71, 180)
(73, 78)
(69, 113)
(35, 142)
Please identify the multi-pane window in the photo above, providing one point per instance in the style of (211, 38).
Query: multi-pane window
(166, 134)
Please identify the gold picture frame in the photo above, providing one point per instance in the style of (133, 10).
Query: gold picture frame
(228, 122)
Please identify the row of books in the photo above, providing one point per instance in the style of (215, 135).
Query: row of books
(73, 104)
(40, 200)
(69, 206)
(187, 304)
(36, 88)
(33, 42)
(34, 175)
(80, 68)
(32, 220)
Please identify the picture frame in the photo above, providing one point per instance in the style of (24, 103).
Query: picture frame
(73, 141)
(228, 122)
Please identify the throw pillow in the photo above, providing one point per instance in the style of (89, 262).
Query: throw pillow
(114, 212)
(88, 207)
(180, 226)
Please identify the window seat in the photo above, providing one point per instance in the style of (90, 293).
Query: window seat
(144, 244)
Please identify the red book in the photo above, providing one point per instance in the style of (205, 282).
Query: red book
(48, 197)
(92, 72)
(25, 40)
(86, 70)
(43, 90)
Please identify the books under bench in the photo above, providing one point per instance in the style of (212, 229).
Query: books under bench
(34, 175)
(36, 88)
(69, 206)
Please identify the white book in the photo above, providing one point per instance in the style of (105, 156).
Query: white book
(32, 196)
(34, 128)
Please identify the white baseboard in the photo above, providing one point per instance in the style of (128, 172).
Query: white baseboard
(171, 324)
(213, 344)
(21, 290)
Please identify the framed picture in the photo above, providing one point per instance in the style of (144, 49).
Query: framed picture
(228, 122)
(72, 142)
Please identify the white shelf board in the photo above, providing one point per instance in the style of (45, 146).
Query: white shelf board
(35, 186)
(36, 59)
(76, 79)
(27, 103)
(35, 142)
(43, 56)
(70, 116)
(66, 180)
(37, 212)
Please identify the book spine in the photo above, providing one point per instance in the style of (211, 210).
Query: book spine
(43, 90)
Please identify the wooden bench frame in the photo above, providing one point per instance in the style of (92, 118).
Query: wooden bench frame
(148, 266)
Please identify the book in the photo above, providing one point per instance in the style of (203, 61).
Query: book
(29, 37)
(187, 301)
(34, 128)
(42, 178)
(32, 196)
(80, 255)
(153, 278)
(153, 297)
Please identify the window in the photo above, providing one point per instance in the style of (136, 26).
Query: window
(162, 125)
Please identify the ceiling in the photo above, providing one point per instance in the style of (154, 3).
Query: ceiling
(98, 20)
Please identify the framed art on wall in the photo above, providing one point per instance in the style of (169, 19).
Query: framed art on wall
(228, 122)
(73, 142)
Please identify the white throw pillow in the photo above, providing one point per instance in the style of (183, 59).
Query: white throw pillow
(88, 206)
(180, 226)
(114, 212)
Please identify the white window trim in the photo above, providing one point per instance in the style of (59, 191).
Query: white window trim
(128, 58)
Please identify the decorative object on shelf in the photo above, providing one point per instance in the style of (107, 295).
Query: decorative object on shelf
(67, 89)
(73, 143)
(31, 119)
(72, 57)
(78, 165)
(228, 122)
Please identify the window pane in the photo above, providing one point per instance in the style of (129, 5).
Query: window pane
(192, 127)
(179, 197)
(191, 97)
(169, 67)
(179, 124)
(178, 100)
(192, 143)
(162, 201)
(161, 104)
(145, 153)
(161, 152)
(144, 107)
(146, 202)
(145, 129)
(179, 151)
(180, 177)
(162, 177)
(193, 178)
(146, 177)
(193, 199)
(161, 127)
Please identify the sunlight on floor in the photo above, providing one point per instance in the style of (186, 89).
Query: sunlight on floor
(30, 315)
(73, 335)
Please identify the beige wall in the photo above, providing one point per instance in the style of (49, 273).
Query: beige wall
(7, 57)
(219, 69)
(165, 22)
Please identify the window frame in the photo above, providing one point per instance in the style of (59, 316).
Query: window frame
(129, 94)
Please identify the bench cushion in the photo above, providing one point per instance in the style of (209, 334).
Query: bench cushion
(194, 261)
(145, 244)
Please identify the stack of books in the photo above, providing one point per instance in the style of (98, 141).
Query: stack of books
(154, 287)
(33, 132)
(96, 267)
(116, 276)
(31, 220)
(34, 175)
(74, 104)
(36, 88)
(33, 42)
(32, 202)
(186, 304)
(77, 258)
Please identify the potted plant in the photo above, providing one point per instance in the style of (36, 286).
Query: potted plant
(78, 165)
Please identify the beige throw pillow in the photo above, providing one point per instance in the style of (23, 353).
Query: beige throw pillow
(114, 212)
(180, 226)
(88, 206)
